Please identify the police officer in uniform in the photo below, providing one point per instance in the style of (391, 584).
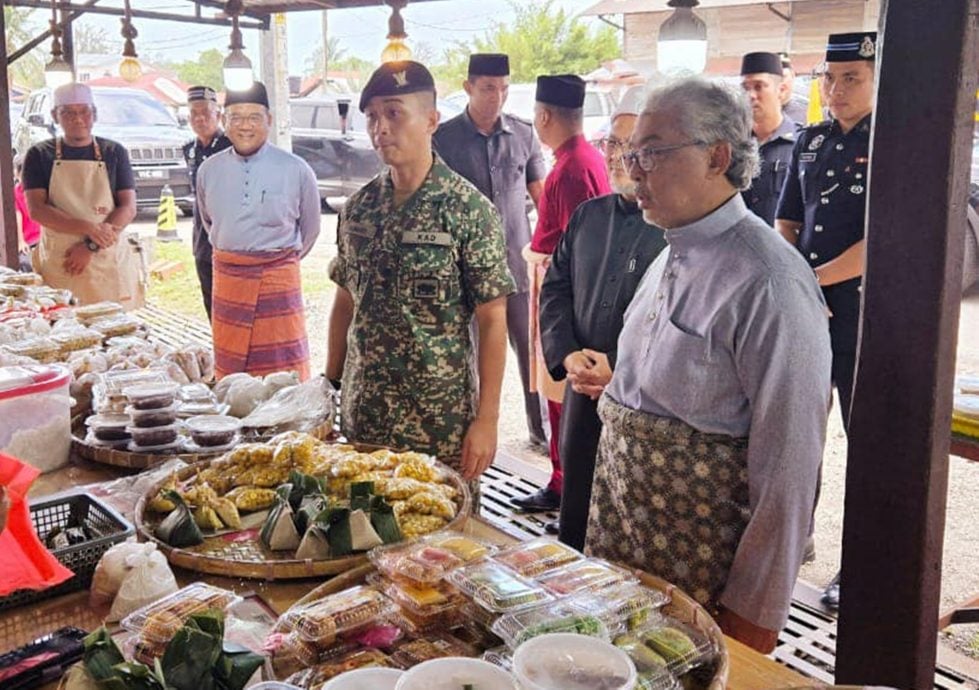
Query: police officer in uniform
(205, 120)
(501, 156)
(761, 79)
(823, 204)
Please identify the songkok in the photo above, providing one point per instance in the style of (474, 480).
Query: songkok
(201, 93)
(851, 47)
(561, 90)
(632, 102)
(255, 93)
(397, 79)
(761, 63)
(489, 65)
(73, 94)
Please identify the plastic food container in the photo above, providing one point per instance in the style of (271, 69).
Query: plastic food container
(416, 562)
(92, 312)
(564, 661)
(151, 437)
(77, 339)
(364, 679)
(273, 685)
(455, 673)
(213, 430)
(22, 279)
(362, 658)
(682, 647)
(537, 556)
(196, 392)
(433, 646)
(151, 396)
(423, 607)
(561, 617)
(107, 394)
(322, 621)
(44, 350)
(160, 621)
(499, 656)
(116, 326)
(109, 427)
(590, 573)
(623, 607)
(469, 549)
(35, 415)
(497, 588)
(164, 416)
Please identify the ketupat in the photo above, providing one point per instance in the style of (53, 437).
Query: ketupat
(672, 644)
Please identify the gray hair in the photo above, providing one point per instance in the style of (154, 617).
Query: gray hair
(712, 112)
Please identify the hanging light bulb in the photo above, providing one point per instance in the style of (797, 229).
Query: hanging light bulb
(129, 68)
(57, 72)
(237, 67)
(396, 49)
(682, 44)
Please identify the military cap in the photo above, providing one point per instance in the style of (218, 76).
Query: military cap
(562, 90)
(761, 63)
(397, 79)
(255, 93)
(851, 47)
(489, 65)
(201, 93)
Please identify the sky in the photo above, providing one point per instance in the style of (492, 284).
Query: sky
(437, 24)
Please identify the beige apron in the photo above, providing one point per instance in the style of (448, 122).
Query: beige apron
(81, 189)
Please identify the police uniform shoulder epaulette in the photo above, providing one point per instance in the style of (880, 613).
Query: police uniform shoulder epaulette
(518, 119)
(809, 131)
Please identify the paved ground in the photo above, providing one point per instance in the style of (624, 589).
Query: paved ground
(960, 577)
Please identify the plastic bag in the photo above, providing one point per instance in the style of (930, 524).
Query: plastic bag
(149, 579)
(26, 563)
(111, 570)
(312, 401)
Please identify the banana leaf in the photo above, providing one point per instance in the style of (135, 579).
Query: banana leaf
(384, 521)
(336, 522)
(303, 485)
(101, 654)
(189, 659)
(235, 667)
(310, 506)
(178, 529)
(360, 495)
(135, 676)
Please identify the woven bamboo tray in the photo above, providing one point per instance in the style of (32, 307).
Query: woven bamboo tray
(243, 555)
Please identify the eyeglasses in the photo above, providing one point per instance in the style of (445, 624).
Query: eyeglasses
(612, 144)
(649, 156)
(82, 113)
(254, 119)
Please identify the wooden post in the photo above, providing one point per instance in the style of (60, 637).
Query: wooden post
(897, 467)
(8, 214)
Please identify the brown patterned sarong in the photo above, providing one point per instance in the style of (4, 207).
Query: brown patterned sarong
(668, 499)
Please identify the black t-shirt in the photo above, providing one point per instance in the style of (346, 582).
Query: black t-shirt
(39, 162)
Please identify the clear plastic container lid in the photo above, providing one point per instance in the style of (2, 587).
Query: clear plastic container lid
(17, 381)
(652, 670)
(136, 413)
(77, 339)
(361, 658)
(565, 661)
(212, 424)
(377, 678)
(463, 546)
(417, 562)
(196, 392)
(116, 325)
(159, 621)
(345, 611)
(423, 600)
(432, 646)
(456, 674)
(537, 556)
(480, 616)
(99, 310)
(116, 381)
(499, 656)
(622, 607)
(496, 587)
(197, 409)
(107, 421)
(590, 573)
(148, 396)
(42, 349)
(559, 617)
(154, 436)
(680, 645)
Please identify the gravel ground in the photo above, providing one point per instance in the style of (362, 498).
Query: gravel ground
(960, 575)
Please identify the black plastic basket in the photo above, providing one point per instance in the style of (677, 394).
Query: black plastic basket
(77, 510)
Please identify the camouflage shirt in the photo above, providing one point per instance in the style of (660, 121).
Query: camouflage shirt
(416, 274)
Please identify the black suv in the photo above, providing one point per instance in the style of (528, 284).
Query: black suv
(137, 121)
(342, 157)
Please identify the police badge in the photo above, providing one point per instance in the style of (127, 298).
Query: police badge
(817, 141)
(867, 48)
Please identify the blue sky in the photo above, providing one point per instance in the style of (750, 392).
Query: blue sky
(437, 23)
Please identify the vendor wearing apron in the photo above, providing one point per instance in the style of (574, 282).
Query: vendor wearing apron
(715, 417)
(81, 190)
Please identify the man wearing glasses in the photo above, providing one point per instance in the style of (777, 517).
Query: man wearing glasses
(261, 210)
(823, 204)
(593, 274)
(715, 417)
(81, 189)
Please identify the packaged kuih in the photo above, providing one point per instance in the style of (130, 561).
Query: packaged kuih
(433, 646)
(680, 645)
(109, 427)
(345, 611)
(652, 670)
(145, 419)
(499, 656)
(416, 562)
(116, 326)
(42, 349)
(422, 607)
(151, 396)
(560, 617)
(537, 556)
(480, 616)
(158, 622)
(213, 430)
(313, 678)
(590, 573)
(463, 546)
(497, 588)
(145, 438)
(623, 607)
(100, 310)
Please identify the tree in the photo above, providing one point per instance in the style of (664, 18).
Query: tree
(541, 40)
(334, 53)
(204, 71)
(94, 40)
(29, 69)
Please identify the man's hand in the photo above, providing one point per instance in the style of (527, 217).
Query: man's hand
(104, 234)
(592, 380)
(577, 363)
(532, 257)
(743, 630)
(77, 259)
(479, 447)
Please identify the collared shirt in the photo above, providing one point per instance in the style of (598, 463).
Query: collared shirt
(579, 174)
(727, 332)
(262, 202)
(416, 273)
(775, 154)
(594, 272)
(196, 153)
(500, 164)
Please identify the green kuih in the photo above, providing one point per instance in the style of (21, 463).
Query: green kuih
(178, 529)
(301, 486)
(384, 521)
(645, 658)
(336, 521)
(311, 506)
(279, 531)
(674, 645)
(360, 495)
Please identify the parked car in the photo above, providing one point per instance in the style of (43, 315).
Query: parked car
(137, 121)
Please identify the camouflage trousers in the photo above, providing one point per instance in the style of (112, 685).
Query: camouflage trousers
(668, 499)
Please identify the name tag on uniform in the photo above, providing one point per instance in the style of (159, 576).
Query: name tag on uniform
(359, 229)
(440, 238)
(807, 157)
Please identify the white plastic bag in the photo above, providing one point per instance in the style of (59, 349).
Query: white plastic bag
(148, 580)
(111, 570)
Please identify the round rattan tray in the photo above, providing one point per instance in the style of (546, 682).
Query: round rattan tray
(243, 555)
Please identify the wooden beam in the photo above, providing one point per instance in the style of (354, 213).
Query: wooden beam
(260, 24)
(8, 214)
(897, 467)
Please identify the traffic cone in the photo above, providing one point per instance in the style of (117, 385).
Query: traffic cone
(166, 217)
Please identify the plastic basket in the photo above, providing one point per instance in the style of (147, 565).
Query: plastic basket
(75, 510)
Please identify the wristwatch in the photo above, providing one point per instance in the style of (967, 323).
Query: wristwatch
(92, 247)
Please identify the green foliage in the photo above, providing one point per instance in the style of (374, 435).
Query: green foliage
(205, 70)
(93, 39)
(21, 26)
(334, 53)
(541, 40)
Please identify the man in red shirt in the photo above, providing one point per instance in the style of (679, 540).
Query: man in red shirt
(579, 174)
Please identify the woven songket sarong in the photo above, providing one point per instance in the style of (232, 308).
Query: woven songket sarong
(668, 499)
(259, 322)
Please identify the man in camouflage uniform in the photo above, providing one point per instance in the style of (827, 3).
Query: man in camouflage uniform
(420, 251)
